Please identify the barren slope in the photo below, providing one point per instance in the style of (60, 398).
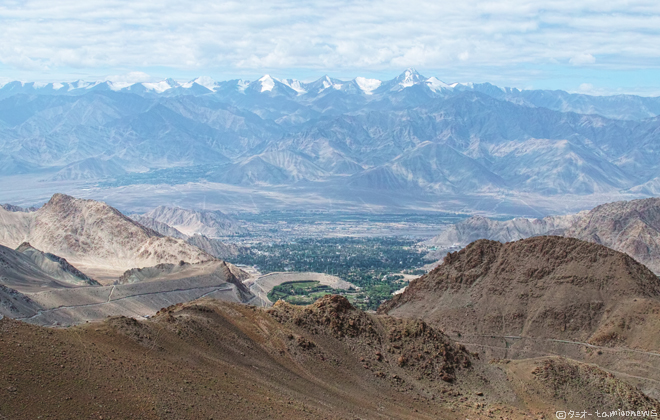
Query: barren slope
(19, 271)
(545, 286)
(210, 359)
(56, 267)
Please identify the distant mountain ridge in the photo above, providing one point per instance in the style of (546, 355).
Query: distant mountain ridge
(412, 135)
(212, 223)
(635, 107)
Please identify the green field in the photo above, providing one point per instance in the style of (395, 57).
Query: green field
(300, 292)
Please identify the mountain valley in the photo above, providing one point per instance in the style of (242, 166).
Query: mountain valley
(262, 248)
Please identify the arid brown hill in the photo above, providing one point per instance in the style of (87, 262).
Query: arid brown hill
(216, 360)
(93, 236)
(546, 286)
(632, 227)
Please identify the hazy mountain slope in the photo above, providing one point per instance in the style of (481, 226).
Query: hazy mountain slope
(213, 246)
(94, 236)
(19, 271)
(90, 168)
(190, 222)
(545, 286)
(474, 228)
(159, 227)
(440, 168)
(56, 267)
(632, 227)
(629, 107)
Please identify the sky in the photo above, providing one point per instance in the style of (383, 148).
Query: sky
(589, 46)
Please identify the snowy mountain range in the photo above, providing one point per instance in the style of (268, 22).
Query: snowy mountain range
(410, 134)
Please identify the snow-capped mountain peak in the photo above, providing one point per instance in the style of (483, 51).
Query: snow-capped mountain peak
(296, 85)
(242, 84)
(204, 81)
(436, 84)
(162, 86)
(367, 85)
(267, 83)
(409, 78)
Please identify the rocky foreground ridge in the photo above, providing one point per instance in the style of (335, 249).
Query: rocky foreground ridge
(212, 359)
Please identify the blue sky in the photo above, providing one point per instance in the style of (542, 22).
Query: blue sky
(597, 47)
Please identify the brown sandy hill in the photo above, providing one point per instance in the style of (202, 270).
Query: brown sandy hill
(94, 237)
(632, 227)
(547, 286)
(209, 359)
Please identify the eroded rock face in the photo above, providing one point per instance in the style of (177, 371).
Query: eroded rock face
(545, 286)
(382, 343)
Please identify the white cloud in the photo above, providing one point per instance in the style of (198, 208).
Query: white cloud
(327, 35)
(586, 87)
(582, 59)
(130, 78)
